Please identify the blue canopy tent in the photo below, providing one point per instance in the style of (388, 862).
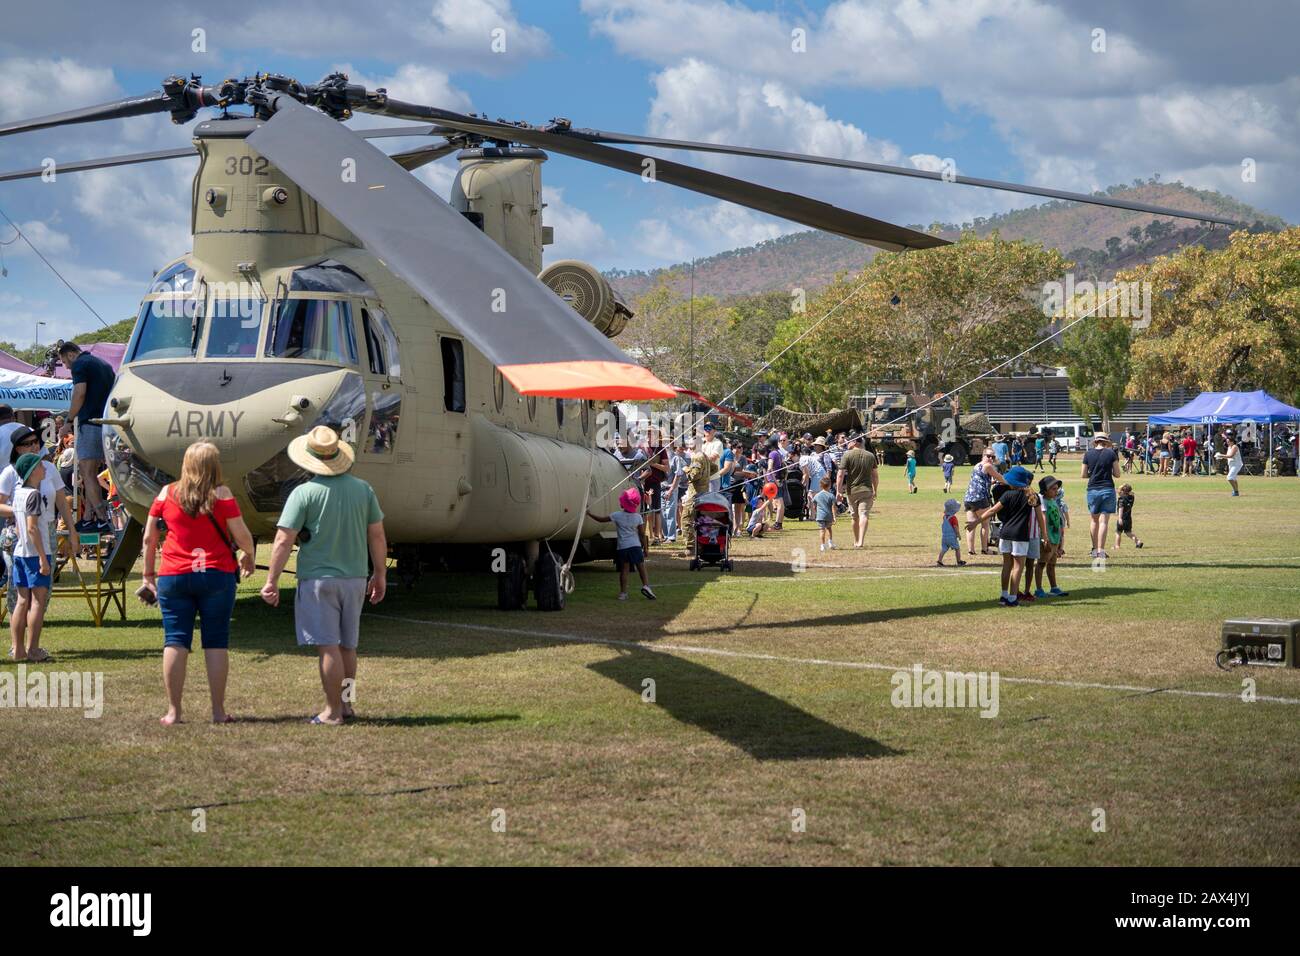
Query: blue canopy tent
(1218, 408)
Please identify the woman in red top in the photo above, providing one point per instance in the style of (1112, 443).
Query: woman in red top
(198, 574)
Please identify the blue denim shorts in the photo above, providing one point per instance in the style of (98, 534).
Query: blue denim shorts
(632, 557)
(1101, 501)
(209, 594)
(27, 573)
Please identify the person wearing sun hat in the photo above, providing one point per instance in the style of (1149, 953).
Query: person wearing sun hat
(335, 519)
(54, 496)
(1101, 468)
(1017, 510)
(948, 466)
(32, 559)
(630, 546)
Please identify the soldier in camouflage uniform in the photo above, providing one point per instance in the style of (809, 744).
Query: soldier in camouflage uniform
(698, 475)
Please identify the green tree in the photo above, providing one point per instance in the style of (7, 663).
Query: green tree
(931, 319)
(1223, 320)
(1095, 353)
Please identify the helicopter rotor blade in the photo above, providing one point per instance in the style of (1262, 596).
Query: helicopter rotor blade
(155, 101)
(537, 340)
(104, 162)
(801, 209)
(601, 136)
(426, 154)
(412, 159)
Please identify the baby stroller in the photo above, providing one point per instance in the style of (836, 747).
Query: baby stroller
(712, 519)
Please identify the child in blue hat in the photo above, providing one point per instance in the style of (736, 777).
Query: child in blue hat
(1016, 510)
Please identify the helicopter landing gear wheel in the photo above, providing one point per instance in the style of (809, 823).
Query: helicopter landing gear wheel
(547, 583)
(408, 566)
(512, 584)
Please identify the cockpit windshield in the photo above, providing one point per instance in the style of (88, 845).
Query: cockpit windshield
(167, 328)
(316, 329)
(233, 328)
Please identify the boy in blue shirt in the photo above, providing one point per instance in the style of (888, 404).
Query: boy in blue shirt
(948, 465)
(824, 502)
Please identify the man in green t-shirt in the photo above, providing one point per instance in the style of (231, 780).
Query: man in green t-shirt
(336, 521)
(858, 477)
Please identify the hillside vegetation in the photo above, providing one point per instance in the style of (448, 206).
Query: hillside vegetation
(811, 260)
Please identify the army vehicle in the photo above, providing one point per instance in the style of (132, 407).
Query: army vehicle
(897, 424)
(328, 285)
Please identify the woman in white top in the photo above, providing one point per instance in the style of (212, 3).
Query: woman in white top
(1232, 455)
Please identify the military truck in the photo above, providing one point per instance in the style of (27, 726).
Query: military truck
(932, 432)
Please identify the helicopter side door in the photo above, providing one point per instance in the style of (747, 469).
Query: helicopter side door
(382, 373)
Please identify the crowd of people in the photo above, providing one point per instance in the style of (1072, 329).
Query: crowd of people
(776, 476)
(41, 466)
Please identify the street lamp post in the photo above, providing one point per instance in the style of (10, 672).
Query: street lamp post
(38, 332)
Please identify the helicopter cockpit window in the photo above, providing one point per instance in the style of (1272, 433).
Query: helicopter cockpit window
(167, 328)
(376, 361)
(453, 375)
(316, 329)
(330, 276)
(391, 346)
(383, 422)
(178, 277)
(233, 328)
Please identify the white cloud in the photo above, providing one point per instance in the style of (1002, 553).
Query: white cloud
(577, 235)
(1141, 106)
(699, 101)
(40, 86)
(147, 208)
(703, 231)
(414, 83)
(42, 234)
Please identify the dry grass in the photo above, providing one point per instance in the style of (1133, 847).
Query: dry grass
(511, 713)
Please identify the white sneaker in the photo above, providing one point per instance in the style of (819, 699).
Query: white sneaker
(830, 545)
(821, 547)
(648, 593)
(622, 595)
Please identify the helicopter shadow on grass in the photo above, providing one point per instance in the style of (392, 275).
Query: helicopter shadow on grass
(762, 725)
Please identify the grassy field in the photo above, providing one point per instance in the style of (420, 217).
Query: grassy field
(772, 705)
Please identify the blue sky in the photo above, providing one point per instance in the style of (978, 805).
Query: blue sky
(1008, 89)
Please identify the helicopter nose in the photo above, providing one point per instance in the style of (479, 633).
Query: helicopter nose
(249, 412)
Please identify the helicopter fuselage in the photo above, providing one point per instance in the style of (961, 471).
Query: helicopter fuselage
(280, 320)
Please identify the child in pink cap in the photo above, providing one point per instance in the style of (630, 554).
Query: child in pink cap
(631, 541)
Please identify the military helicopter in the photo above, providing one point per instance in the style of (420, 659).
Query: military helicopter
(328, 285)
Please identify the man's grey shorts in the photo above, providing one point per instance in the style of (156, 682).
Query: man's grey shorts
(90, 442)
(327, 611)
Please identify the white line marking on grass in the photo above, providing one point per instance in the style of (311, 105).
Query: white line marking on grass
(864, 577)
(816, 661)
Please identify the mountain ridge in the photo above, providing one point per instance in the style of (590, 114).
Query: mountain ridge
(811, 260)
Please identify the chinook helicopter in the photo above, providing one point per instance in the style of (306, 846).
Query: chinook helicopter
(328, 285)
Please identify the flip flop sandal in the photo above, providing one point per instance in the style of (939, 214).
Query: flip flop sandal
(42, 656)
(228, 720)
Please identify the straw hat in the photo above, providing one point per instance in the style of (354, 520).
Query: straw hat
(321, 452)
(947, 459)
(819, 441)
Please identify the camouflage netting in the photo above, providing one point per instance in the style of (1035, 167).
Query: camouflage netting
(783, 419)
(976, 423)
